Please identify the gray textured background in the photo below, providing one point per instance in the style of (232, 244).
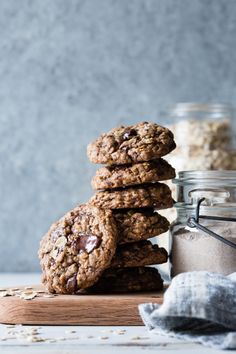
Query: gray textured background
(70, 69)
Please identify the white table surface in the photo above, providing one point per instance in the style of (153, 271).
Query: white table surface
(87, 339)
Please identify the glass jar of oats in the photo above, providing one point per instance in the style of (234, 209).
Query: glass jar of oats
(203, 135)
(203, 237)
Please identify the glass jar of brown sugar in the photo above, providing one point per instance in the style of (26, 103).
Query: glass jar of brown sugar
(203, 237)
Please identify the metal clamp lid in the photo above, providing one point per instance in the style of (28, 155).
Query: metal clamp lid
(193, 222)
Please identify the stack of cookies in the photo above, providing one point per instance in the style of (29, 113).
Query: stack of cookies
(103, 246)
(130, 186)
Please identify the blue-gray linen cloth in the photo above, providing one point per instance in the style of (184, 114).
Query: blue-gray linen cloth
(197, 306)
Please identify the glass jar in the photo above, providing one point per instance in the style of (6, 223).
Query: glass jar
(208, 199)
(204, 125)
(204, 137)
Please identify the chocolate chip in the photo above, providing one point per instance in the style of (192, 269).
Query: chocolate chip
(85, 242)
(52, 261)
(71, 284)
(129, 134)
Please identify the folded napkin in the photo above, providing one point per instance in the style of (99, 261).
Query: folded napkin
(197, 306)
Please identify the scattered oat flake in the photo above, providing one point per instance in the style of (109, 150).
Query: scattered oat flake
(28, 295)
(48, 295)
(70, 331)
(28, 288)
(139, 338)
(15, 289)
(89, 337)
(34, 339)
(34, 331)
(11, 293)
(104, 337)
(120, 331)
(4, 293)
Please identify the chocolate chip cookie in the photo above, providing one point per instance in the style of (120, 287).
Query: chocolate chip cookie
(139, 224)
(77, 249)
(125, 280)
(126, 175)
(138, 254)
(156, 195)
(141, 142)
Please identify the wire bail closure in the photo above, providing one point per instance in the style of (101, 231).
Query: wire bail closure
(193, 222)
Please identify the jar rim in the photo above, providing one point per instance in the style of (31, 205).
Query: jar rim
(215, 209)
(219, 177)
(183, 107)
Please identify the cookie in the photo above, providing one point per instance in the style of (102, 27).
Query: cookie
(77, 249)
(126, 175)
(139, 224)
(141, 142)
(156, 195)
(138, 254)
(125, 280)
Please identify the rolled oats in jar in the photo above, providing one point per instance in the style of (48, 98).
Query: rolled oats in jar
(203, 135)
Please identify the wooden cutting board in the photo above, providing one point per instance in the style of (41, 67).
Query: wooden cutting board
(99, 310)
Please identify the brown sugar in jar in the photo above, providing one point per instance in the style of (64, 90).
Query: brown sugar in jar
(193, 249)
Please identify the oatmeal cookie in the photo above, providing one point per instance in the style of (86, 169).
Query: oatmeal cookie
(139, 224)
(156, 195)
(77, 249)
(125, 280)
(138, 254)
(126, 175)
(141, 142)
